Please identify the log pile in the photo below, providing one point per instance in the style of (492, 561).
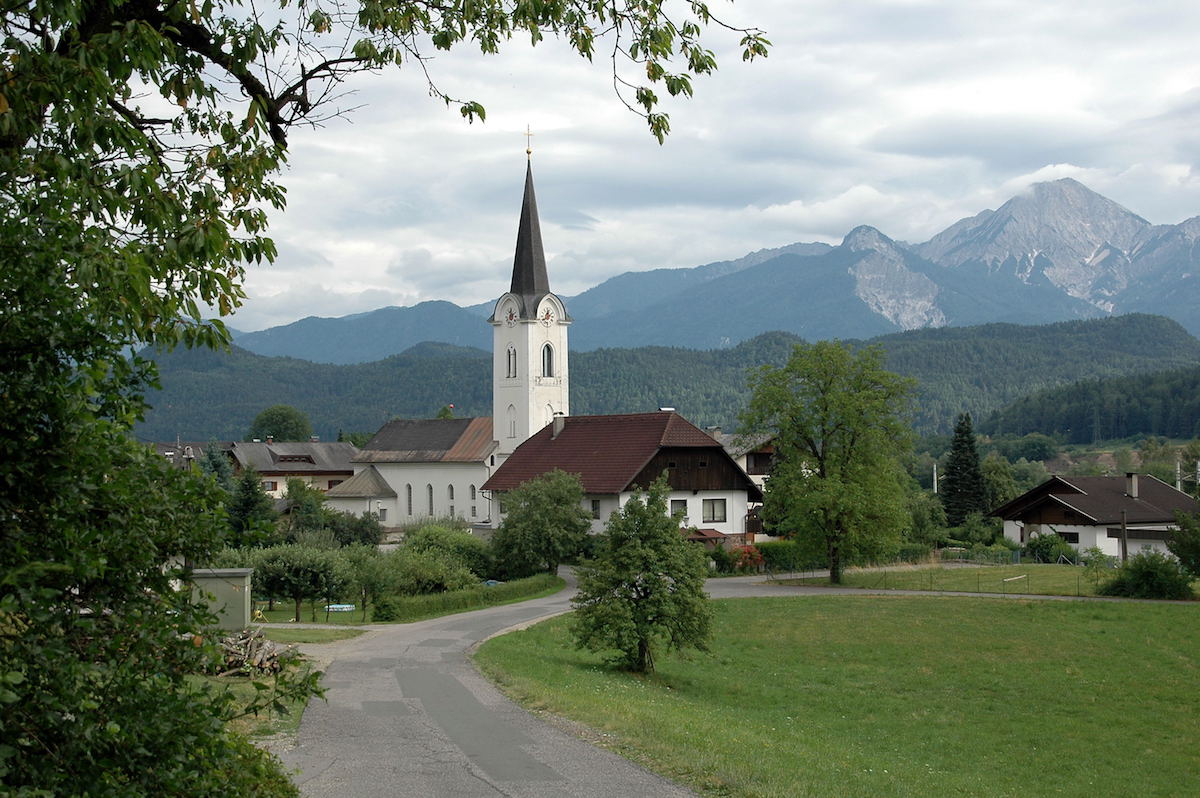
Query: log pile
(250, 652)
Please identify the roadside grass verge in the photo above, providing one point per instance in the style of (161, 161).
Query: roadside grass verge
(422, 607)
(1036, 579)
(894, 696)
(303, 635)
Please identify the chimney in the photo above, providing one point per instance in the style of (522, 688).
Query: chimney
(1131, 485)
(270, 439)
(314, 438)
(558, 423)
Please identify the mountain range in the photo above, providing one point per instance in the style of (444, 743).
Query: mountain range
(1057, 252)
(208, 394)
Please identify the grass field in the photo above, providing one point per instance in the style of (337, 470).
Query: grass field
(895, 696)
(1036, 579)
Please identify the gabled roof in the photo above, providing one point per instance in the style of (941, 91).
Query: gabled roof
(1102, 499)
(430, 440)
(366, 484)
(607, 452)
(294, 456)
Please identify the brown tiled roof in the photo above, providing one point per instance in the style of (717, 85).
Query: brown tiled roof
(607, 452)
(294, 457)
(430, 440)
(1101, 500)
(366, 484)
(706, 535)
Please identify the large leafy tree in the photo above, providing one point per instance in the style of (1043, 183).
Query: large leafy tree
(544, 525)
(963, 489)
(139, 144)
(281, 422)
(644, 590)
(838, 421)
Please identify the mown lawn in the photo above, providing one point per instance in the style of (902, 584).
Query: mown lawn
(895, 696)
(1036, 579)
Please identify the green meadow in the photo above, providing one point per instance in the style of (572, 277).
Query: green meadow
(894, 696)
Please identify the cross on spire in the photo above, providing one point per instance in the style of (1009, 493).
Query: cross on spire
(528, 143)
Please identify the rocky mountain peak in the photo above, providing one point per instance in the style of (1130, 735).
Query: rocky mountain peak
(865, 237)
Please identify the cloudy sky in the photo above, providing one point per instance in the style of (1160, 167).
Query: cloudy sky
(901, 114)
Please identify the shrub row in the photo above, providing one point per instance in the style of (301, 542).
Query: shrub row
(410, 608)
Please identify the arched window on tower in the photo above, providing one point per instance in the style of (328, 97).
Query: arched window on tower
(512, 421)
(511, 368)
(547, 361)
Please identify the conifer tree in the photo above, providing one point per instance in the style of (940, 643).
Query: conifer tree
(963, 489)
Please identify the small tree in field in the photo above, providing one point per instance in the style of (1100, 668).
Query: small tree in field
(644, 589)
(297, 573)
(544, 525)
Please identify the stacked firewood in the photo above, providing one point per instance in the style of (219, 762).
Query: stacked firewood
(249, 652)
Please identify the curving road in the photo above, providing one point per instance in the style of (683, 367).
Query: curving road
(408, 715)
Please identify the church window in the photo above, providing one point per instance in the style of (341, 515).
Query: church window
(452, 511)
(472, 493)
(547, 361)
(429, 495)
(511, 367)
(472, 511)
(512, 421)
(450, 493)
(408, 497)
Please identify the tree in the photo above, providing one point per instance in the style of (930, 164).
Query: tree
(298, 573)
(544, 525)
(836, 417)
(645, 587)
(215, 463)
(445, 411)
(457, 545)
(139, 144)
(281, 422)
(1184, 542)
(963, 491)
(999, 481)
(251, 511)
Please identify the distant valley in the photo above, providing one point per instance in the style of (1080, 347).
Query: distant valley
(1059, 252)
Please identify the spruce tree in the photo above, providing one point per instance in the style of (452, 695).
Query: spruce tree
(963, 490)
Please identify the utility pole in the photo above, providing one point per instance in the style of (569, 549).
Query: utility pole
(935, 474)
(1124, 538)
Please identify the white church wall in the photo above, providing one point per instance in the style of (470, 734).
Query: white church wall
(436, 490)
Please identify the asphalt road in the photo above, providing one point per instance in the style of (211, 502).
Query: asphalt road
(408, 715)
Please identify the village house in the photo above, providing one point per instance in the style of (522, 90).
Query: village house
(1098, 512)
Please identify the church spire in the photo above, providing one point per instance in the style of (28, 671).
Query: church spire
(529, 279)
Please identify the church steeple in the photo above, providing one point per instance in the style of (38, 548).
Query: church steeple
(529, 279)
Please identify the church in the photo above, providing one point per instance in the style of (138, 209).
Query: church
(415, 469)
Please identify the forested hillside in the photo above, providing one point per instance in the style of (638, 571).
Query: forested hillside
(974, 369)
(1166, 404)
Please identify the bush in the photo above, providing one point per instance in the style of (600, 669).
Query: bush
(747, 559)
(913, 552)
(416, 572)
(413, 608)
(1049, 548)
(453, 544)
(1151, 575)
(788, 555)
(722, 559)
(386, 609)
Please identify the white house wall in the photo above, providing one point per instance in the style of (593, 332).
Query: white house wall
(1089, 536)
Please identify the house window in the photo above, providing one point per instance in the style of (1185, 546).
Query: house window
(1070, 537)
(511, 367)
(596, 509)
(382, 514)
(704, 464)
(408, 497)
(678, 507)
(429, 496)
(269, 485)
(670, 464)
(547, 361)
(714, 510)
(335, 482)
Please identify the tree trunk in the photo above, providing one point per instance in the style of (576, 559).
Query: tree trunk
(835, 564)
(297, 618)
(645, 663)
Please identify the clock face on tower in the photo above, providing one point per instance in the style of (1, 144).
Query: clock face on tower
(510, 318)
(547, 317)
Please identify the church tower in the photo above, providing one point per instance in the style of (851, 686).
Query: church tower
(529, 341)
